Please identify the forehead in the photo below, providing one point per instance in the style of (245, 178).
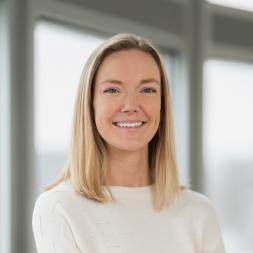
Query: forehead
(131, 61)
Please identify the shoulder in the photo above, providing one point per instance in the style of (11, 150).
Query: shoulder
(62, 195)
(194, 203)
(51, 223)
(198, 213)
(194, 197)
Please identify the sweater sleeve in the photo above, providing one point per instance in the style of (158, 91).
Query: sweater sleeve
(212, 238)
(52, 233)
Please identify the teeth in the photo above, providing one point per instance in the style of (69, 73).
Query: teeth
(134, 124)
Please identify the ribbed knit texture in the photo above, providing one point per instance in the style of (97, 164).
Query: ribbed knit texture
(65, 222)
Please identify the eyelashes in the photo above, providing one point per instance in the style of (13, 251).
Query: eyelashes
(111, 90)
(151, 90)
(114, 90)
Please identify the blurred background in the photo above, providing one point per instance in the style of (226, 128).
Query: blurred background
(208, 50)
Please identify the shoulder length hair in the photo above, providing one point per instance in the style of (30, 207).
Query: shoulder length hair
(87, 159)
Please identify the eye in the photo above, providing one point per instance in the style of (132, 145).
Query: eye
(111, 90)
(149, 90)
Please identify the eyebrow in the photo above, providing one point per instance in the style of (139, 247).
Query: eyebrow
(143, 81)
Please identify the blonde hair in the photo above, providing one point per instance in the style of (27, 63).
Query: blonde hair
(87, 161)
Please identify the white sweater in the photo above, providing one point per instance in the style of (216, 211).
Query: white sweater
(65, 222)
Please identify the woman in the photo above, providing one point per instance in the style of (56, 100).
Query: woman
(120, 190)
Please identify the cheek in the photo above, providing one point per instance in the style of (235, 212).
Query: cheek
(154, 108)
(103, 110)
(157, 116)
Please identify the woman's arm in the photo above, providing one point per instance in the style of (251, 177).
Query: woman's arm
(52, 232)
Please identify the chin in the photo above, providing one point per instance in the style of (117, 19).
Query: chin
(128, 147)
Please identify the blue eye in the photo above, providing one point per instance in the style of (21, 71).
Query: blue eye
(149, 90)
(111, 90)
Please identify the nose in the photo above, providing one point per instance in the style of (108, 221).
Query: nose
(130, 103)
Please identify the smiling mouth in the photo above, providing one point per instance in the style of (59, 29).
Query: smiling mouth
(129, 125)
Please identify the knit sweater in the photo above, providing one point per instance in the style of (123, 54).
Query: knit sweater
(66, 222)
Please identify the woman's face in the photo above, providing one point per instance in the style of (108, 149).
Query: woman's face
(127, 99)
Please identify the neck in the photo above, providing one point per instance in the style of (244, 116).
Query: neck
(126, 168)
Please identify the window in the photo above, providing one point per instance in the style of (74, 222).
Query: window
(246, 5)
(179, 93)
(228, 149)
(60, 54)
(5, 138)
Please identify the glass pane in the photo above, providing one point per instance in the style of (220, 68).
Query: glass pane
(5, 131)
(60, 54)
(179, 93)
(228, 149)
(242, 4)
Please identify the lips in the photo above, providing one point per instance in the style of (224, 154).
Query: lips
(129, 121)
(129, 124)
